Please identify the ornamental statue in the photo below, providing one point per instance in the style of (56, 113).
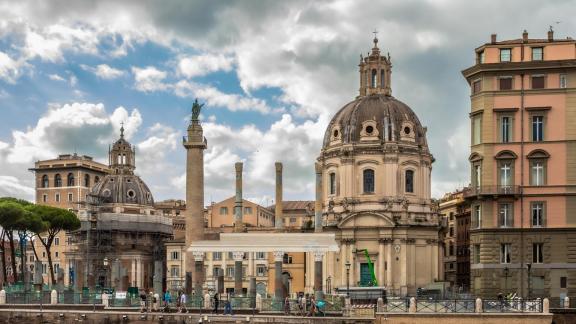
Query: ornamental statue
(196, 107)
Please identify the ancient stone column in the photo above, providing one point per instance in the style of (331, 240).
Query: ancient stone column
(252, 291)
(195, 144)
(158, 276)
(318, 291)
(278, 285)
(318, 204)
(238, 257)
(238, 226)
(198, 272)
(278, 216)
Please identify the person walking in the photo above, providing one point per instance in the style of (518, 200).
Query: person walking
(142, 302)
(183, 303)
(216, 302)
(287, 306)
(167, 300)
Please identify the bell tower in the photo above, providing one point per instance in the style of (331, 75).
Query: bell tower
(375, 72)
(122, 156)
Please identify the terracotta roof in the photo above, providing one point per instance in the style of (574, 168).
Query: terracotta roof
(294, 204)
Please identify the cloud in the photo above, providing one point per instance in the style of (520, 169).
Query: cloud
(84, 127)
(214, 97)
(200, 65)
(149, 79)
(9, 68)
(12, 187)
(56, 77)
(104, 71)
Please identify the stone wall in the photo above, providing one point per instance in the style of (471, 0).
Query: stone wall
(473, 318)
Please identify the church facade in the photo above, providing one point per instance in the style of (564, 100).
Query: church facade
(375, 167)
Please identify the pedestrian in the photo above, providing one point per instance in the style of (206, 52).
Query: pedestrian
(228, 308)
(312, 307)
(286, 306)
(142, 302)
(183, 303)
(167, 300)
(150, 301)
(216, 302)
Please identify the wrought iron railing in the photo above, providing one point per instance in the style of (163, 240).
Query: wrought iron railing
(492, 190)
(512, 305)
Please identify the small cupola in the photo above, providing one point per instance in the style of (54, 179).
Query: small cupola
(375, 72)
(121, 156)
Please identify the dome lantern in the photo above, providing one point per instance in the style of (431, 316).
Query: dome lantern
(121, 157)
(375, 72)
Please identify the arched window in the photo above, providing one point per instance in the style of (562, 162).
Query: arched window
(70, 182)
(96, 179)
(45, 183)
(86, 180)
(57, 180)
(409, 181)
(332, 183)
(374, 78)
(382, 79)
(368, 177)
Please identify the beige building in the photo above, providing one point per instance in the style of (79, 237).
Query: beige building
(221, 214)
(63, 182)
(523, 158)
(375, 168)
(297, 214)
(448, 209)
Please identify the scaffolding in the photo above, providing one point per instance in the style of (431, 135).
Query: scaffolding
(105, 236)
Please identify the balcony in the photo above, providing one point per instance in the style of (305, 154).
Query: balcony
(473, 192)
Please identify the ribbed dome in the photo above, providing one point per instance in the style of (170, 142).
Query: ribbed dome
(385, 111)
(123, 188)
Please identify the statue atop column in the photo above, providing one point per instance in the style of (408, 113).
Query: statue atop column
(196, 108)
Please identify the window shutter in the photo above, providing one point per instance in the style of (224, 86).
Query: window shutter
(544, 214)
(537, 82)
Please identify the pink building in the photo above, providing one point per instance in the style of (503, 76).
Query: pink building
(523, 167)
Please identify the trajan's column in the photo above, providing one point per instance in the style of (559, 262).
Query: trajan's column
(195, 145)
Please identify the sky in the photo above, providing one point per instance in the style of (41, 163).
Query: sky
(271, 75)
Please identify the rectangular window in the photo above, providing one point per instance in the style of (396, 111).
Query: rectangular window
(44, 268)
(505, 175)
(44, 198)
(230, 255)
(563, 282)
(69, 197)
(451, 231)
(563, 82)
(505, 54)
(537, 211)
(505, 83)
(477, 175)
(476, 86)
(505, 129)
(216, 256)
(292, 219)
(332, 183)
(56, 241)
(260, 270)
(215, 271)
(476, 130)
(537, 128)
(175, 255)
(230, 272)
(476, 253)
(537, 173)
(477, 220)
(505, 253)
(537, 249)
(537, 53)
(248, 210)
(174, 271)
(56, 254)
(537, 82)
(481, 57)
(505, 215)
(260, 255)
(223, 210)
(57, 198)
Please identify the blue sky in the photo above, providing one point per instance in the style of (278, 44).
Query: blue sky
(271, 74)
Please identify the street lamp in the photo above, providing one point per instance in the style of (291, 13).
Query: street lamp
(529, 266)
(348, 278)
(329, 285)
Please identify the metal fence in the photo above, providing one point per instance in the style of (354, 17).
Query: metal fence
(446, 306)
(40, 297)
(512, 305)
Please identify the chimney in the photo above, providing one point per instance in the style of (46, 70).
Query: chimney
(493, 39)
(550, 34)
(279, 218)
(238, 225)
(525, 36)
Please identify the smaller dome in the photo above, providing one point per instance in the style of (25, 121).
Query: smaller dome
(122, 189)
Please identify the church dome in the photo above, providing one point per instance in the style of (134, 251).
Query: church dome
(377, 117)
(122, 189)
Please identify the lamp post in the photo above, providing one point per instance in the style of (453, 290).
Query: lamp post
(348, 278)
(329, 285)
(105, 263)
(506, 273)
(529, 266)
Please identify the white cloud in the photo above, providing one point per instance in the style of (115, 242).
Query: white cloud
(49, 43)
(8, 68)
(214, 97)
(82, 127)
(104, 71)
(56, 77)
(12, 187)
(200, 65)
(149, 79)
